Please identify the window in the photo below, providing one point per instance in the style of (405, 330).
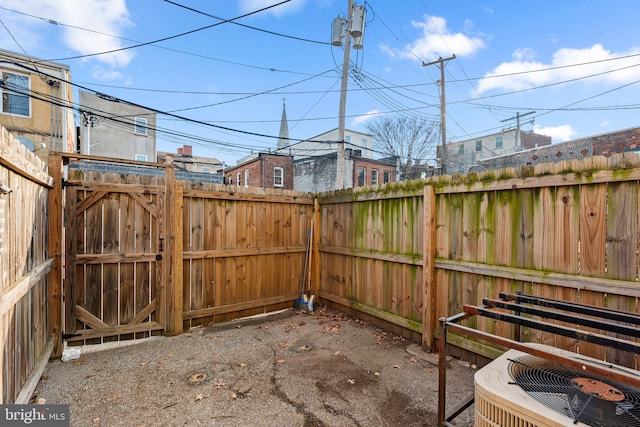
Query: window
(461, 149)
(386, 177)
(140, 126)
(374, 176)
(499, 141)
(206, 170)
(361, 176)
(141, 157)
(479, 145)
(347, 138)
(238, 179)
(246, 177)
(278, 174)
(230, 180)
(15, 94)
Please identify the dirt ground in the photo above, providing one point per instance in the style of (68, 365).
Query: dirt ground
(287, 369)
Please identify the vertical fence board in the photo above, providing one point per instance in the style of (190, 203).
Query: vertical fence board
(567, 236)
(545, 251)
(111, 245)
(470, 233)
(443, 227)
(486, 252)
(127, 244)
(455, 252)
(593, 234)
(622, 261)
(504, 245)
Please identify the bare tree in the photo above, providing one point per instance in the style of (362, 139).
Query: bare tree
(411, 139)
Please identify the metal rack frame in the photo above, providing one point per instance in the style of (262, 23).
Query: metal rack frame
(600, 318)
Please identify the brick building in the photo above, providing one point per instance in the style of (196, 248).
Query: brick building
(317, 174)
(267, 170)
(605, 145)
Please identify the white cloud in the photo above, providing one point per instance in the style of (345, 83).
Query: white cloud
(519, 74)
(247, 6)
(102, 16)
(524, 54)
(101, 74)
(363, 118)
(557, 133)
(605, 123)
(437, 40)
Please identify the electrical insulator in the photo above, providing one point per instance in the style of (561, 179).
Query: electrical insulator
(357, 21)
(336, 31)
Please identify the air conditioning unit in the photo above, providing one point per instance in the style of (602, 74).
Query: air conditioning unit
(521, 390)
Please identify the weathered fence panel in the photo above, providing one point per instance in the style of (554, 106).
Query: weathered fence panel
(371, 256)
(114, 256)
(566, 231)
(244, 250)
(24, 265)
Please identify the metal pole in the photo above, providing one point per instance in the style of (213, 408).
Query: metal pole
(343, 100)
(442, 372)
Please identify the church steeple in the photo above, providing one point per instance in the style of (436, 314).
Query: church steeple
(283, 136)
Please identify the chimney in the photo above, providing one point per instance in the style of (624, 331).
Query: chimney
(180, 151)
(188, 150)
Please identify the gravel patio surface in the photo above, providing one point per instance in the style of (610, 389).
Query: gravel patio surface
(285, 369)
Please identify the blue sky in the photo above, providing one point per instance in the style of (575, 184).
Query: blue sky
(575, 63)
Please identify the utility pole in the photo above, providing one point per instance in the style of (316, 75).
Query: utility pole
(517, 117)
(343, 99)
(443, 110)
(88, 120)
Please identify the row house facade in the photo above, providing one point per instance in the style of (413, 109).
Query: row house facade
(462, 156)
(37, 103)
(118, 130)
(266, 170)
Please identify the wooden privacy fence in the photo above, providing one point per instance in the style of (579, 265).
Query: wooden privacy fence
(25, 338)
(567, 231)
(243, 249)
(371, 257)
(145, 254)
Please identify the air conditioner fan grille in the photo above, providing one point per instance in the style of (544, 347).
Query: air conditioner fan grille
(562, 389)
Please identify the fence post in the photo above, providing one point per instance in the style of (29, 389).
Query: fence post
(54, 226)
(315, 273)
(173, 263)
(428, 268)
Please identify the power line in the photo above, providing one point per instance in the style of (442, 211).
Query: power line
(58, 23)
(249, 26)
(253, 94)
(155, 110)
(174, 36)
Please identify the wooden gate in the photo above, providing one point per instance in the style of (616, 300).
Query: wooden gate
(113, 274)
